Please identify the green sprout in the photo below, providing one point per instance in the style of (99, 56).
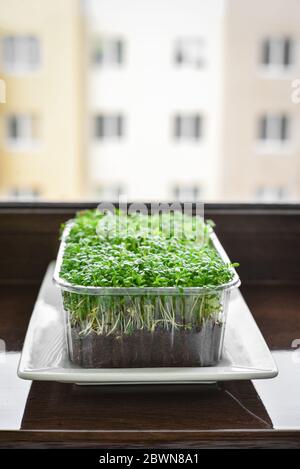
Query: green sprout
(115, 250)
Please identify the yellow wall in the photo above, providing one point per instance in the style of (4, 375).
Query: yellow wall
(54, 93)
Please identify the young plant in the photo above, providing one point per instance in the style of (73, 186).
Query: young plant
(160, 251)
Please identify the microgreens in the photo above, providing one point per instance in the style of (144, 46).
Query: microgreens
(120, 251)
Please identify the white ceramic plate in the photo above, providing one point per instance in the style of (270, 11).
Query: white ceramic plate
(45, 357)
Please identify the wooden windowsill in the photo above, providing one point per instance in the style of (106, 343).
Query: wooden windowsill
(264, 240)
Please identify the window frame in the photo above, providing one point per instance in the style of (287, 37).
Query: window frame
(272, 56)
(271, 193)
(195, 189)
(109, 50)
(269, 123)
(26, 194)
(183, 53)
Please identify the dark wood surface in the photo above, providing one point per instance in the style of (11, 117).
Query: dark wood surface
(230, 414)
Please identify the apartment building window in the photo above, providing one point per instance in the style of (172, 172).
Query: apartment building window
(109, 126)
(188, 127)
(277, 53)
(190, 52)
(110, 193)
(274, 128)
(108, 51)
(21, 54)
(187, 192)
(22, 130)
(271, 194)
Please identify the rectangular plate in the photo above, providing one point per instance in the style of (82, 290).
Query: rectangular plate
(45, 355)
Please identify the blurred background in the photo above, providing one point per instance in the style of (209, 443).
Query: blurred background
(190, 100)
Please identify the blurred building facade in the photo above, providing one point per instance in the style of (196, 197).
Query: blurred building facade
(41, 121)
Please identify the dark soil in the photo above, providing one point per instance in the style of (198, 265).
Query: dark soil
(148, 349)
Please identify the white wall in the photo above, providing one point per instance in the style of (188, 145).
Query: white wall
(148, 89)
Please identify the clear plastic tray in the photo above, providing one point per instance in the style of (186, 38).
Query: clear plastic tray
(145, 327)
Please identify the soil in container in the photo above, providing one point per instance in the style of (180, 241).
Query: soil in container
(140, 349)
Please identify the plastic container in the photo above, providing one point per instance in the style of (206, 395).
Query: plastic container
(145, 327)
